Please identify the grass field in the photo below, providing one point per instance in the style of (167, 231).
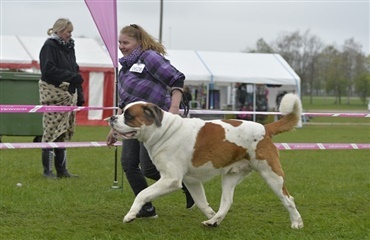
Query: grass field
(319, 103)
(331, 190)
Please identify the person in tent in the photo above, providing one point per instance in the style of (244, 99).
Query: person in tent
(187, 93)
(145, 75)
(60, 84)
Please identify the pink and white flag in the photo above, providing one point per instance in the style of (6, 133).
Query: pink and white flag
(104, 13)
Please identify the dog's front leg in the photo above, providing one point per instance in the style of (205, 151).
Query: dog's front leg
(162, 187)
(196, 190)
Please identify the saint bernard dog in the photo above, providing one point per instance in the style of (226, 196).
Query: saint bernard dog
(192, 150)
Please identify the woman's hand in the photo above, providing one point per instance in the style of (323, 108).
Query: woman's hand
(175, 100)
(111, 139)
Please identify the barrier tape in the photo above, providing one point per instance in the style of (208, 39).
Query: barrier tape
(280, 146)
(278, 113)
(51, 108)
(45, 108)
(54, 145)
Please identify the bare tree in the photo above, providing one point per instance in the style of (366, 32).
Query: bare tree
(261, 47)
(353, 64)
(362, 82)
(331, 61)
(311, 48)
(322, 67)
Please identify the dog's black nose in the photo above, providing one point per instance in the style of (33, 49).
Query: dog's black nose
(112, 118)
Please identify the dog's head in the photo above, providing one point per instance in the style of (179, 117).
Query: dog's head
(136, 117)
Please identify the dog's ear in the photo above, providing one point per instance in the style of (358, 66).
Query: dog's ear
(154, 112)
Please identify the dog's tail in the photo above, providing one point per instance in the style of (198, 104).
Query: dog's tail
(291, 107)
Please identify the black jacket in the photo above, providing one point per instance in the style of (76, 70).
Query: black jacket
(58, 64)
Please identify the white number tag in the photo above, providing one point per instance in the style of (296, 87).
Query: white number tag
(137, 67)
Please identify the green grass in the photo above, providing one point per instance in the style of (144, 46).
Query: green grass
(324, 103)
(331, 189)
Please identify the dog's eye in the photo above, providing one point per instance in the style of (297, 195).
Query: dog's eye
(128, 116)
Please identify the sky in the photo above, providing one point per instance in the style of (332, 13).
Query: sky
(231, 26)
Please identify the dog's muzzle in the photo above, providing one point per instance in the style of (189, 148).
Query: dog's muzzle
(112, 120)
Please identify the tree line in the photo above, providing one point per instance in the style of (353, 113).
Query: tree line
(340, 71)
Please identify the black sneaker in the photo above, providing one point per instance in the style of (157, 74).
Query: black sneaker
(147, 212)
(189, 200)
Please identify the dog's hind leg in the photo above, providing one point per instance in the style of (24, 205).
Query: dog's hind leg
(229, 182)
(162, 187)
(276, 183)
(199, 196)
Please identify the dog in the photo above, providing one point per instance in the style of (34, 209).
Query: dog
(192, 150)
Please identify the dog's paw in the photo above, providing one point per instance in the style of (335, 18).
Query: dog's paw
(297, 224)
(209, 223)
(129, 218)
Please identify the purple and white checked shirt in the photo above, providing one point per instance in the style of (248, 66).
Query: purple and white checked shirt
(151, 84)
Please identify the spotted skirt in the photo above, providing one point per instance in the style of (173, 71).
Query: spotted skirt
(58, 126)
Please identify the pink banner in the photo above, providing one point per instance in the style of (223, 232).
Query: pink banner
(193, 111)
(321, 146)
(104, 13)
(281, 146)
(42, 108)
(54, 145)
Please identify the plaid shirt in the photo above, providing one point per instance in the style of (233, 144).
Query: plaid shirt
(151, 84)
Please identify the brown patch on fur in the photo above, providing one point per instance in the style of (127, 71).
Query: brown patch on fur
(266, 150)
(153, 112)
(140, 114)
(211, 146)
(286, 124)
(285, 192)
(234, 123)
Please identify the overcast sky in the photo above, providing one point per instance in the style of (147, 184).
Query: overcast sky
(202, 25)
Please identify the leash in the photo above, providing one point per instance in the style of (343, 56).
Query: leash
(184, 104)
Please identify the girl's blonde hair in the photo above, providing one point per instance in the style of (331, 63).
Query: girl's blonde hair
(147, 41)
(60, 25)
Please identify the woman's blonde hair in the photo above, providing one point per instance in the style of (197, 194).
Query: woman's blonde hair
(60, 25)
(147, 41)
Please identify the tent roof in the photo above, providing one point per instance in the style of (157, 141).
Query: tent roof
(249, 68)
(190, 64)
(226, 67)
(89, 53)
(13, 54)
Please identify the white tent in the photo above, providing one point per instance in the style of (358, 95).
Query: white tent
(89, 53)
(220, 70)
(255, 68)
(13, 54)
(96, 67)
(223, 67)
(189, 63)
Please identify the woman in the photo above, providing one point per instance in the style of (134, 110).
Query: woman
(60, 80)
(145, 76)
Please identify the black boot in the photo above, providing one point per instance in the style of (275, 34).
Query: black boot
(189, 199)
(47, 162)
(61, 163)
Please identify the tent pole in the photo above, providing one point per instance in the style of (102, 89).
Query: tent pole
(115, 181)
(254, 101)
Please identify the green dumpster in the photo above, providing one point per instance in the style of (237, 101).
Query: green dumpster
(20, 88)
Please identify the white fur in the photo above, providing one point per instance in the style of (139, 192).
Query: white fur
(288, 104)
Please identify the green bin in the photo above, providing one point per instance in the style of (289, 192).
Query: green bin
(20, 88)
